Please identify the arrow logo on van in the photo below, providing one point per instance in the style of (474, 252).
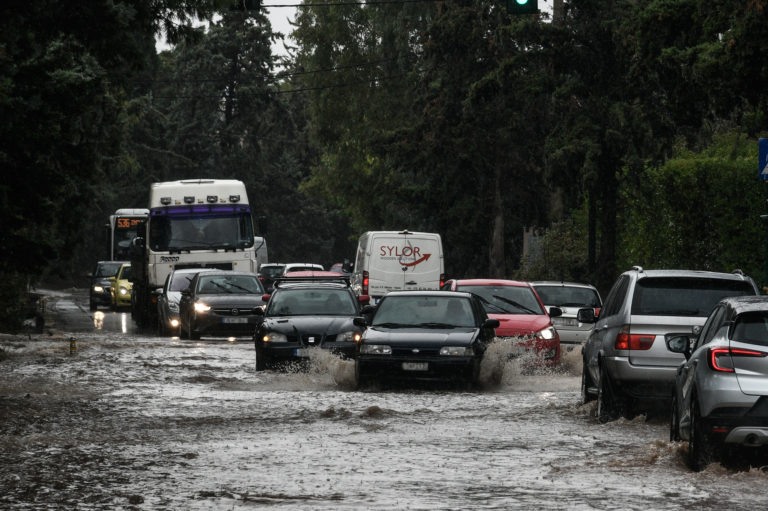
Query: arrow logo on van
(417, 261)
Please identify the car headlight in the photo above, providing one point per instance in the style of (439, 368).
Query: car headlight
(123, 291)
(547, 334)
(456, 351)
(375, 349)
(274, 337)
(98, 289)
(175, 323)
(201, 307)
(350, 336)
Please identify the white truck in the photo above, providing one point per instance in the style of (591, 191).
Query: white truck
(397, 260)
(193, 223)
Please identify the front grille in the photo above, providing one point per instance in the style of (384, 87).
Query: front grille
(408, 352)
(227, 311)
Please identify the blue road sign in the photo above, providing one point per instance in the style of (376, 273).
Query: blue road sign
(762, 159)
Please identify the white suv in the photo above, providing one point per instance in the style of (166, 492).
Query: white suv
(625, 359)
(569, 297)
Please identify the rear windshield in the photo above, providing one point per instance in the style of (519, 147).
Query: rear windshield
(565, 296)
(752, 328)
(675, 296)
(271, 271)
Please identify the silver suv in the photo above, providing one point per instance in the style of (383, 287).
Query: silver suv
(625, 359)
(721, 390)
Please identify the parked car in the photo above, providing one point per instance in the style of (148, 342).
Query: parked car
(221, 303)
(569, 297)
(522, 316)
(99, 293)
(626, 362)
(424, 335)
(720, 390)
(307, 312)
(268, 272)
(120, 287)
(168, 299)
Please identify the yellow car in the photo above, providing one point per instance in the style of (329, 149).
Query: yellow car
(121, 286)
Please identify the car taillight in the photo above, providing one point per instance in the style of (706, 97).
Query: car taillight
(365, 283)
(442, 280)
(629, 341)
(597, 312)
(714, 354)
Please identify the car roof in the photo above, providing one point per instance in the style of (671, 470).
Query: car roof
(214, 271)
(194, 270)
(742, 304)
(561, 283)
(642, 273)
(312, 284)
(314, 273)
(457, 294)
(491, 282)
(111, 262)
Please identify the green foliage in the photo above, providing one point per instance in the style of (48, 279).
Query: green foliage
(559, 253)
(699, 211)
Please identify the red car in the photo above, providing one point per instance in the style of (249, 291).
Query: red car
(520, 312)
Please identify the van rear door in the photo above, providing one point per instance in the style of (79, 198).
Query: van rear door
(405, 261)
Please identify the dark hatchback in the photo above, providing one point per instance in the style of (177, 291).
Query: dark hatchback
(220, 303)
(99, 292)
(425, 335)
(305, 313)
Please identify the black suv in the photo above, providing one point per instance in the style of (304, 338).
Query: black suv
(306, 313)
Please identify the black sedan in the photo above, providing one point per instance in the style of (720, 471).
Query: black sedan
(425, 335)
(221, 303)
(306, 313)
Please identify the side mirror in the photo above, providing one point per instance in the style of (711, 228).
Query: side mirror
(359, 321)
(679, 344)
(158, 291)
(555, 312)
(491, 323)
(586, 315)
(265, 297)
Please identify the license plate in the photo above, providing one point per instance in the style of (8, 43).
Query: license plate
(234, 320)
(415, 366)
(301, 352)
(565, 322)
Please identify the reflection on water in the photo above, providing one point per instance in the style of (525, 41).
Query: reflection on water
(98, 320)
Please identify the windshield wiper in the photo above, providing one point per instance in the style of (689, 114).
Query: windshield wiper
(495, 306)
(435, 325)
(392, 325)
(515, 304)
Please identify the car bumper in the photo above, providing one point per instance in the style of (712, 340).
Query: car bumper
(444, 368)
(101, 298)
(220, 326)
(641, 381)
(123, 300)
(291, 351)
(739, 420)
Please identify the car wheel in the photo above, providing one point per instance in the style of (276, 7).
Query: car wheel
(674, 421)
(261, 360)
(586, 383)
(192, 333)
(700, 449)
(182, 331)
(361, 380)
(607, 402)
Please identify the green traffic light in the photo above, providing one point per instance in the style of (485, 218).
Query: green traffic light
(515, 7)
(521, 2)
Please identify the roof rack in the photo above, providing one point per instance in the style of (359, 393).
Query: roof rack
(638, 269)
(341, 279)
(738, 271)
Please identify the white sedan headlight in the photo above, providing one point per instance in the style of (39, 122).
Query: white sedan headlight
(547, 334)
(375, 349)
(348, 337)
(456, 351)
(275, 337)
(201, 307)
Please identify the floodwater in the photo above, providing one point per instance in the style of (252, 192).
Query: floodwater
(126, 420)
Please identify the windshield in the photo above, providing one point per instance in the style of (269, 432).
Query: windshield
(107, 269)
(229, 284)
(424, 311)
(271, 272)
(562, 296)
(506, 299)
(200, 227)
(126, 273)
(679, 296)
(181, 281)
(312, 302)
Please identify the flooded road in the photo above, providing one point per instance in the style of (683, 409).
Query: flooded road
(134, 421)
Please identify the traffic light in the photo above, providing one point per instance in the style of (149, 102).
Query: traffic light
(522, 6)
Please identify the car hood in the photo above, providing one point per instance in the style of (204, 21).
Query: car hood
(327, 325)
(420, 336)
(244, 300)
(520, 324)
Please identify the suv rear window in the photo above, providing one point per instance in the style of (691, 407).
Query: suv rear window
(680, 296)
(571, 296)
(752, 327)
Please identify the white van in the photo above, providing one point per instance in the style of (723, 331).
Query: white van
(393, 261)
